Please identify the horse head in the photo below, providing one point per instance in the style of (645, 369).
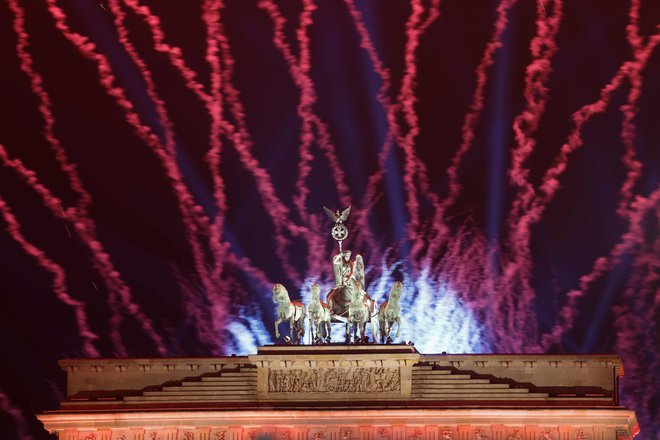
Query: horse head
(280, 293)
(316, 290)
(395, 292)
(356, 293)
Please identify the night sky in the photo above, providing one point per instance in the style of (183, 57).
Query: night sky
(163, 164)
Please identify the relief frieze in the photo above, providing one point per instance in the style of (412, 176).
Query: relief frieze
(338, 380)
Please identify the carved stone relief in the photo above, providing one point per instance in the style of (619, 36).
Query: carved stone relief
(416, 434)
(342, 380)
(515, 435)
(582, 435)
(384, 433)
(479, 434)
(186, 435)
(546, 435)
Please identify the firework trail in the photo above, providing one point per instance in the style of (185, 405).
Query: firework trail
(159, 104)
(636, 332)
(191, 293)
(542, 47)
(211, 18)
(84, 200)
(551, 178)
(629, 110)
(469, 126)
(407, 99)
(241, 141)
(323, 140)
(415, 29)
(174, 53)
(520, 234)
(196, 223)
(640, 209)
(45, 108)
(184, 198)
(392, 128)
(16, 414)
(170, 146)
(101, 260)
(414, 168)
(59, 279)
(306, 134)
(238, 135)
(212, 281)
(299, 70)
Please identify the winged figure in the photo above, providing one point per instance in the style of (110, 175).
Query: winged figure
(336, 216)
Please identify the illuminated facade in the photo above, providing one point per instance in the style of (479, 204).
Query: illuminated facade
(340, 392)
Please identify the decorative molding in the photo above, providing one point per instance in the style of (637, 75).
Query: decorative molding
(341, 431)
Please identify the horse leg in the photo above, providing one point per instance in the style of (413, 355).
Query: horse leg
(313, 330)
(292, 334)
(381, 323)
(300, 331)
(277, 330)
(372, 315)
(398, 326)
(348, 333)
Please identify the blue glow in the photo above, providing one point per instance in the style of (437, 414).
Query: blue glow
(433, 317)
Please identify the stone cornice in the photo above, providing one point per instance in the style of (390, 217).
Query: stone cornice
(382, 417)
